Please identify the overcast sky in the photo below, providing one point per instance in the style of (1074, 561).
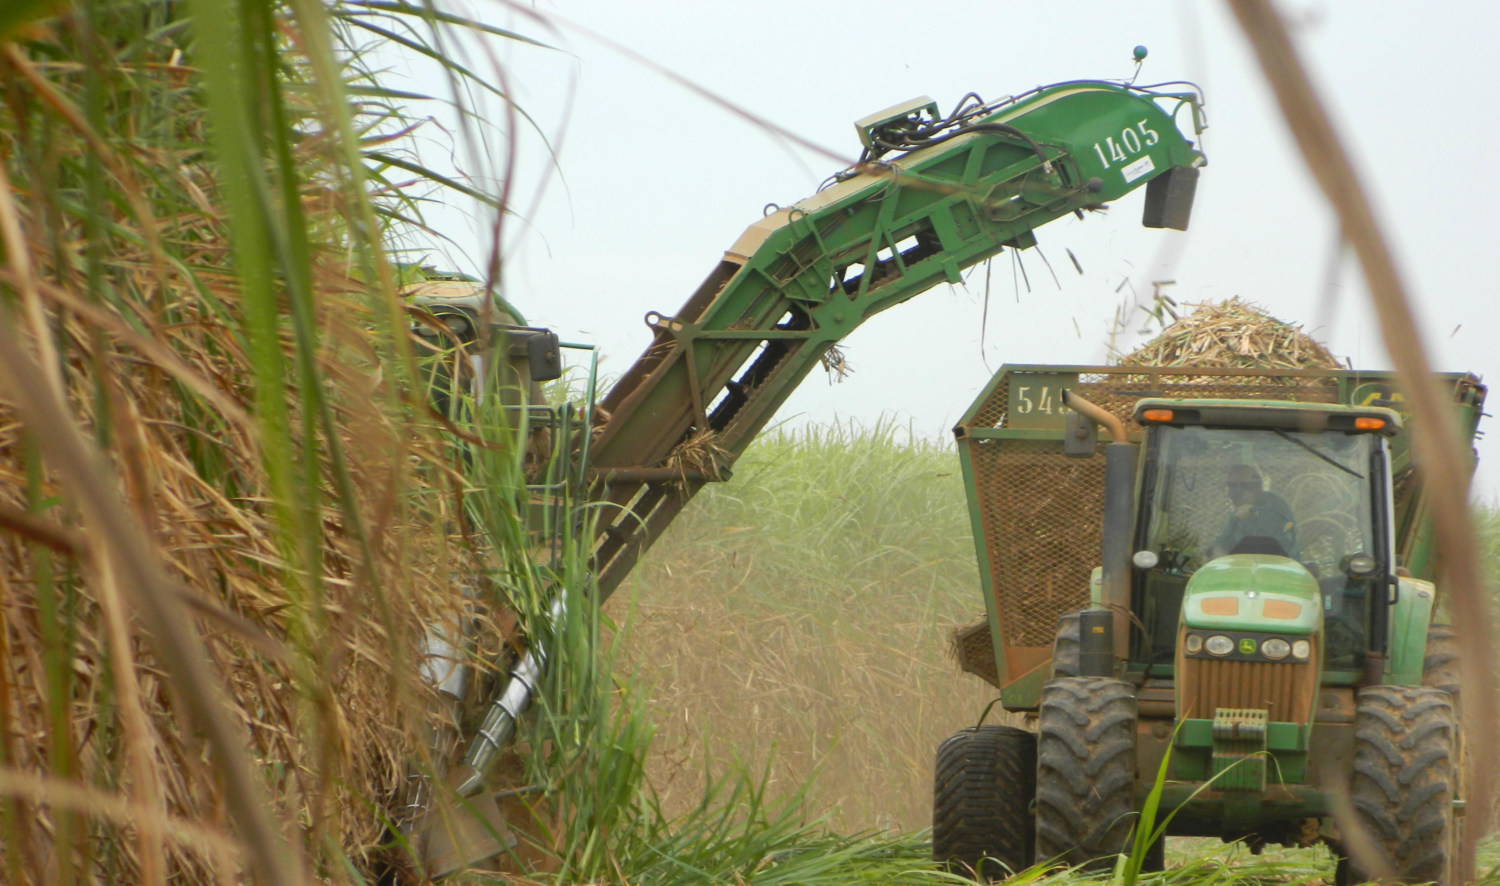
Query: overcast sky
(652, 182)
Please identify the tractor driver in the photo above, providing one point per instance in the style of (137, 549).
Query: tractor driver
(1261, 522)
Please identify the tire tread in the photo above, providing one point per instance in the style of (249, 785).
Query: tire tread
(1085, 770)
(1403, 780)
(984, 783)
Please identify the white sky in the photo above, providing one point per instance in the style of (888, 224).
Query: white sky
(656, 182)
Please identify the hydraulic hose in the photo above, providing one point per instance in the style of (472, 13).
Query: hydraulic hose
(1000, 128)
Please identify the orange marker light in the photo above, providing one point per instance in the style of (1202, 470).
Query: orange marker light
(1157, 415)
(1283, 609)
(1221, 606)
(1366, 423)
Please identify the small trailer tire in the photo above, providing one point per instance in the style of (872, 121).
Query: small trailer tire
(984, 784)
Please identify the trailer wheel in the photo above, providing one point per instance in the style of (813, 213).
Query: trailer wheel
(1066, 647)
(984, 785)
(1085, 781)
(1402, 784)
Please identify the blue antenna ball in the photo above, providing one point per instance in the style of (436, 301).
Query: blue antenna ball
(1140, 53)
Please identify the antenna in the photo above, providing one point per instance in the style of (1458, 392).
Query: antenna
(1139, 53)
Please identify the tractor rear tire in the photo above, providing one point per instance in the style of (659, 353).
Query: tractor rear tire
(1402, 784)
(1440, 671)
(1066, 647)
(983, 788)
(1440, 663)
(1085, 781)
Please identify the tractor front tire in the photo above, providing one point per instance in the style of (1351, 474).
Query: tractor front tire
(1085, 780)
(1402, 785)
(984, 785)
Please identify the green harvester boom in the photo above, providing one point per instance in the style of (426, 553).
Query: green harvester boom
(933, 197)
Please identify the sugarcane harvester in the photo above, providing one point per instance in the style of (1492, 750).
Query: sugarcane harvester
(1257, 641)
(931, 196)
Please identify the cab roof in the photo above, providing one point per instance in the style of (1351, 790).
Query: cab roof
(1282, 414)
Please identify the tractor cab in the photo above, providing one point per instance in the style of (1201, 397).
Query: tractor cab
(1262, 534)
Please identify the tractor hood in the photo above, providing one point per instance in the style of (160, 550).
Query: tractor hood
(1252, 592)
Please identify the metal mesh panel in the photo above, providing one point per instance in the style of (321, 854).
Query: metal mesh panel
(1118, 392)
(992, 413)
(1116, 388)
(1031, 500)
(1040, 510)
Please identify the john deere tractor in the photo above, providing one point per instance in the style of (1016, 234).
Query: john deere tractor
(1259, 621)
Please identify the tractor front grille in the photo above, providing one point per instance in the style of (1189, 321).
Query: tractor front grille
(1284, 690)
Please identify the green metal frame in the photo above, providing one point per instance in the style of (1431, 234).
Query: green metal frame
(1287, 741)
(1410, 617)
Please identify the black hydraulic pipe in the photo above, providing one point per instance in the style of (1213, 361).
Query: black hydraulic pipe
(1382, 591)
(1116, 539)
(1118, 519)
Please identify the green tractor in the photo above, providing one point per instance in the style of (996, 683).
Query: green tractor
(1260, 622)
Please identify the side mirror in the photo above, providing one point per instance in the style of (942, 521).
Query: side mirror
(538, 346)
(544, 356)
(1080, 436)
